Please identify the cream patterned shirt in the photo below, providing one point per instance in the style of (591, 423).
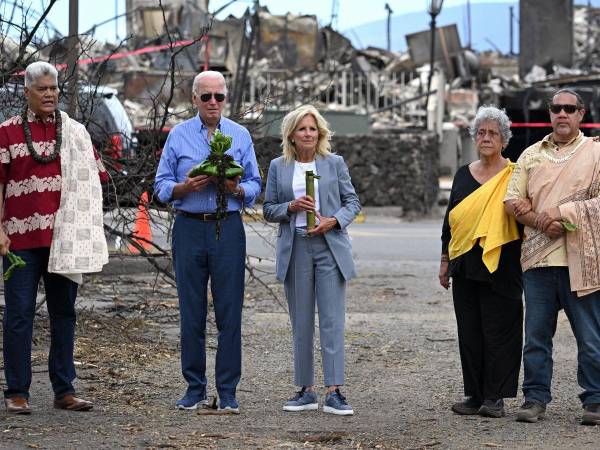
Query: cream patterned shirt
(531, 158)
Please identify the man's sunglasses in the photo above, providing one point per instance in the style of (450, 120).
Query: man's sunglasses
(569, 109)
(206, 97)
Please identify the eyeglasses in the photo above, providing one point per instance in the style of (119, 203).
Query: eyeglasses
(206, 97)
(557, 108)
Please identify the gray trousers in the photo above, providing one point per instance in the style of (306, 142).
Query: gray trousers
(313, 275)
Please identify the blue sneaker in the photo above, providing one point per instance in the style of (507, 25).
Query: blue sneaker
(189, 401)
(302, 401)
(335, 403)
(228, 405)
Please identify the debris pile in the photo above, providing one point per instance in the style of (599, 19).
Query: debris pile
(275, 62)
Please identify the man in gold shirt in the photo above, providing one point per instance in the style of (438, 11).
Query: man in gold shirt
(555, 193)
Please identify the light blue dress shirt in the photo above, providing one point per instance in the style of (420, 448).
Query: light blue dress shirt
(187, 145)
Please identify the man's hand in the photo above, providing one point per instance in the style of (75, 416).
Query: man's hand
(195, 184)
(4, 243)
(231, 184)
(521, 206)
(554, 230)
(443, 276)
(325, 224)
(304, 203)
(546, 218)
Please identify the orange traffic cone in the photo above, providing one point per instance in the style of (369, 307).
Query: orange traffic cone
(141, 227)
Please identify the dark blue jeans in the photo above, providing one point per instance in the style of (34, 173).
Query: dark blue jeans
(547, 291)
(20, 293)
(198, 256)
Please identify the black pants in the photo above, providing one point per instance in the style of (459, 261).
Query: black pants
(490, 339)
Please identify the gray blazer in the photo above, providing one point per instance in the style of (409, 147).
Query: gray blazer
(337, 198)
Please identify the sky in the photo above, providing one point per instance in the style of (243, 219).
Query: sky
(350, 14)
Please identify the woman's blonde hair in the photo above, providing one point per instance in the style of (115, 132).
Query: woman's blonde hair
(291, 121)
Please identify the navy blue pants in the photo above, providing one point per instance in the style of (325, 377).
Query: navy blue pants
(198, 256)
(547, 291)
(20, 293)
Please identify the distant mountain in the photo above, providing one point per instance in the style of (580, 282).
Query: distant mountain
(489, 27)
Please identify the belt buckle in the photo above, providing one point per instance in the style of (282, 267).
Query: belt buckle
(206, 217)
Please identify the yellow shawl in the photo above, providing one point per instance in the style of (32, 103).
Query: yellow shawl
(481, 216)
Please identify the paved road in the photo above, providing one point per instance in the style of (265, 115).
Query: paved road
(377, 241)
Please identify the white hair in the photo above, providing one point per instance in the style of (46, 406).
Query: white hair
(208, 74)
(489, 112)
(37, 70)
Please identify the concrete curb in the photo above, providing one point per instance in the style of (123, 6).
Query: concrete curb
(128, 265)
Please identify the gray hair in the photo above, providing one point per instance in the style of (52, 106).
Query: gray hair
(578, 100)
(205, 75)
(37, 70)
(489, 112)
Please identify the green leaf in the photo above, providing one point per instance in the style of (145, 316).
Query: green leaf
(16, 262)
(568, 226)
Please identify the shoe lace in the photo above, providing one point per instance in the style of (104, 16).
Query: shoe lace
(341, 397)
(299, 394)
(529, 404)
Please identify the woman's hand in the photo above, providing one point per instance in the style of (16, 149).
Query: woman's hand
(304, 203)
(521, 206)
(443, 276)
(325, 224)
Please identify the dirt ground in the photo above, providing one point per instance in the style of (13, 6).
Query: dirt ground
(403, 373)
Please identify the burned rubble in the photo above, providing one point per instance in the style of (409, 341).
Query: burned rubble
(276, 62)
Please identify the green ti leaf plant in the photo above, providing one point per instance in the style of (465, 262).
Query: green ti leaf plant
(16, 262)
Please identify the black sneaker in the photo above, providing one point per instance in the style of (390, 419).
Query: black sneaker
(591, 415)
(531, 412)
(492, 408)
(469, 407)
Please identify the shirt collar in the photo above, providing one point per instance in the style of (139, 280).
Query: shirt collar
(549, 140)
(33, 117)
(203, 126)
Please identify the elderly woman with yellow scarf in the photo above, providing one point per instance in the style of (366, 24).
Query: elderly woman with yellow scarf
(480, 251)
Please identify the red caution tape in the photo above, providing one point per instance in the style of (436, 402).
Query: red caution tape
(549, 125)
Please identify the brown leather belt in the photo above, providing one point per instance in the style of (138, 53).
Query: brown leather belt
(205, 217)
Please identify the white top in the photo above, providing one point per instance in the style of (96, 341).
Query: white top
(299, 187)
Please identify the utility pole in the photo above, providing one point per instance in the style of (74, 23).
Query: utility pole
(511, 30)
(116, 21)
(389, 19)
(129, 18)
(589, 33)
(335, 6)
(73, 47)
(469, 41)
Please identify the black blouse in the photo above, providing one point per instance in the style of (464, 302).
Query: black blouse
(508, 278)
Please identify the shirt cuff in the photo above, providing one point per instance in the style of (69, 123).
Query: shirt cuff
(166, 193)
